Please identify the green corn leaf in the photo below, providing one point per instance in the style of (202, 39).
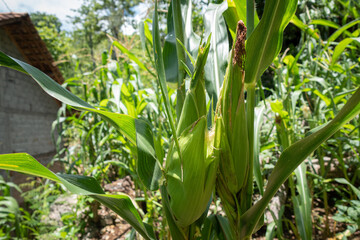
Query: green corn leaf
(322, 96)
(145, 33)
(324, 22)
(128, 100)
(187, 69)
(146, 38)
(176, 232)
(265, 42)
(180, 22)
(192, 60)
(270, 231)
(297, 22)
(231, 18)
(338, 97)
(340, 31)
(191, 40)
(169, 52)
(237, 11)
(216, 64)
(92, 130)
(344, 181)
(136, 130)
(159, 64)
(225, 227)
(181, 13)
(259, 111)
(292, 157)
(328, 23)
(131, 56)
(302, 203)
(216, 227)
(339, 49)
(141, 27)
(121, 204)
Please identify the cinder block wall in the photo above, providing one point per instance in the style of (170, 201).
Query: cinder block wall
(26, 111)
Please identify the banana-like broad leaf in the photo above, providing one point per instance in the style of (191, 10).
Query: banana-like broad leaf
(137, 131)
(293, 156)
(216, 64)
(121, 204)
(265, 42)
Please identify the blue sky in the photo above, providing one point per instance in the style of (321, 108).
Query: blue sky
(60, 8)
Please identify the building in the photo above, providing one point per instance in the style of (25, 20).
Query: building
(26, 111)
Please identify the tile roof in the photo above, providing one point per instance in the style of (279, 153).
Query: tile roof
(25, 36)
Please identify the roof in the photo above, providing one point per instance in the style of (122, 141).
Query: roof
(23, 33)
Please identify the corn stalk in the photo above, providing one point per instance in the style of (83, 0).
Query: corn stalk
(199, 160)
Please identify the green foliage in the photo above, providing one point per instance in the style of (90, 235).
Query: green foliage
(49, 28)
(172, 140)
(56, 40)
(14, 220)
(348, 212)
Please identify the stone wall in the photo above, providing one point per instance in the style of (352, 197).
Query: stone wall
(26, 111)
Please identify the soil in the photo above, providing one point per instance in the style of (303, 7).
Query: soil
(106, 225)
(109, 225)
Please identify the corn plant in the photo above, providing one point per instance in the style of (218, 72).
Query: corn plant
(200, 159)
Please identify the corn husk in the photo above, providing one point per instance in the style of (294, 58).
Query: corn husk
(191, 172)
(234, 141)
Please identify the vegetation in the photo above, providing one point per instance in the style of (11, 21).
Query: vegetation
(209, 127)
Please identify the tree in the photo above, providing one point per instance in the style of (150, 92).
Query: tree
(95, 19)
(114, 12)
(49, 28)
(56, 40)
(90, 27)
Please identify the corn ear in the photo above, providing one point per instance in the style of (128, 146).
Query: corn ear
(189, 196)
(234, 140)
(190, 180)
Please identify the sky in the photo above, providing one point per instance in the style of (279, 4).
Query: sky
(61, 8)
